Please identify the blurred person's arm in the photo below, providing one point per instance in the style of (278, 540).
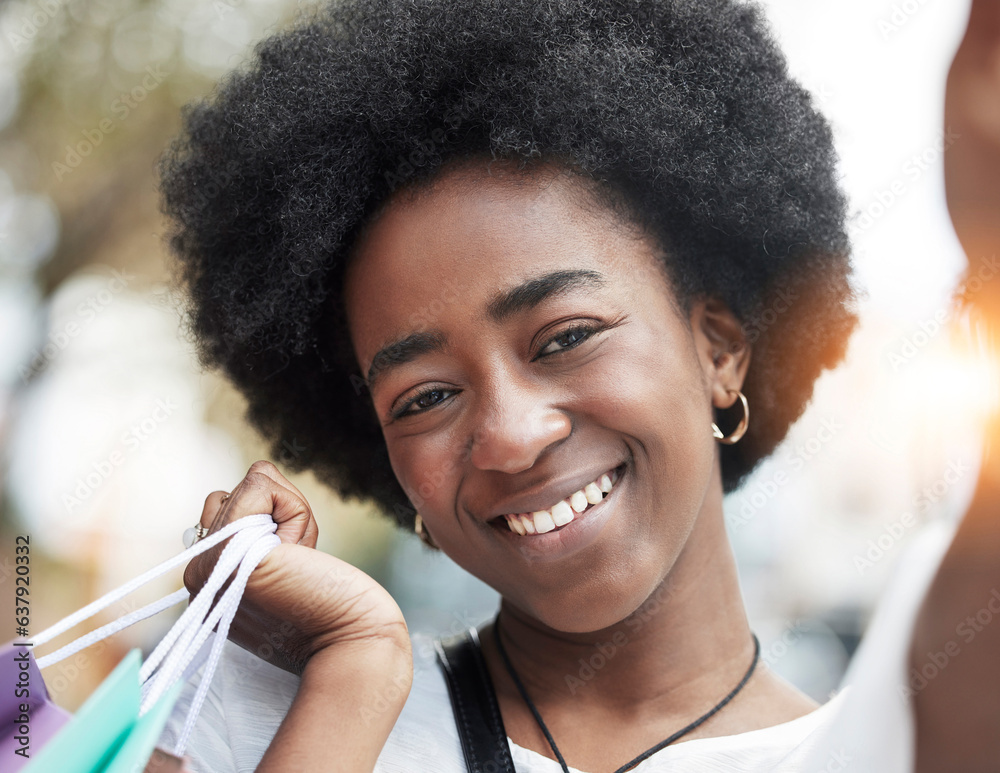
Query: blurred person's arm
(958, 709)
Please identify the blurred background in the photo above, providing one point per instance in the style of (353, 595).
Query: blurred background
(111, 436)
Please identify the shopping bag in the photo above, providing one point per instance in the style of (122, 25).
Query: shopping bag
(116, 730)
(28, 717)
(107, 733)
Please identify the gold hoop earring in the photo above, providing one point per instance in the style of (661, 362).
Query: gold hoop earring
(421, 530)
(741, 428)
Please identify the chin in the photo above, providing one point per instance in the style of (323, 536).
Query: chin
(591, 614)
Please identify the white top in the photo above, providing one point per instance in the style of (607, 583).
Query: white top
(867, 726)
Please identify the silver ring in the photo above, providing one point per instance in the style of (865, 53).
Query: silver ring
(193, 534)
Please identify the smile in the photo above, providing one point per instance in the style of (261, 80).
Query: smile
(565, 510)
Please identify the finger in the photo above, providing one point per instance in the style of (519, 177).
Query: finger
(258, 492)
(311, 532)
(271, 471)
(212, 507)
(197, 571)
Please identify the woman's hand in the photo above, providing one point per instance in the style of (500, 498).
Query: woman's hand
(317, 616)
(298, 601)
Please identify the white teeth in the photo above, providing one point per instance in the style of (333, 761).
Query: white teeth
(562, 513)
(543, 520)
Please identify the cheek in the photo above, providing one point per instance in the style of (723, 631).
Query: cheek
(654, 383)
(658, 398)
(427, 467)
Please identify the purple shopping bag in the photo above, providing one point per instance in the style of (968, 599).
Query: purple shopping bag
(28, 717)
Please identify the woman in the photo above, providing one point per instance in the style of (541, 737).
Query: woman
(492, 265)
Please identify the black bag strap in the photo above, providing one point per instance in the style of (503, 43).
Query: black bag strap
(474, 701)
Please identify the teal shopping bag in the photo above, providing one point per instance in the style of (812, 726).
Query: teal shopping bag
(107, 735)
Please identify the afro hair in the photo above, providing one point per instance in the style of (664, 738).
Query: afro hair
(684, 109)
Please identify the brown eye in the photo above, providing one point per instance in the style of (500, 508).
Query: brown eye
(423, 401)
(427, 399)
(569, 338)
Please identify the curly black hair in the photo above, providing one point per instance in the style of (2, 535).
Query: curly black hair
(683, 109)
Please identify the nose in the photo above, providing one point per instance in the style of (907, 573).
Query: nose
(514, 426)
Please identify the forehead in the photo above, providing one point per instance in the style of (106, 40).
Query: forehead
(445, 251)
(492, 207)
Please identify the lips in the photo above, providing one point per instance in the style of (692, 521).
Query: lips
(558, 512)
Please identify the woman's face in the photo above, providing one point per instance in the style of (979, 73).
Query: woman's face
(520, 347)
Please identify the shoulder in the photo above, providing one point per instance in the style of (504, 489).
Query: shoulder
(878, 721)
(873, 726)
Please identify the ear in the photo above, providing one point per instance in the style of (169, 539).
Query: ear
(722, 348)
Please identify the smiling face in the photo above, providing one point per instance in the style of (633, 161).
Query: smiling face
(521, 346)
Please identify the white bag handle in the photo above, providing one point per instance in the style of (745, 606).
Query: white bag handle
(182, 651)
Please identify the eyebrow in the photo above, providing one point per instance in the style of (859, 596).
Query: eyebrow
(501, 307)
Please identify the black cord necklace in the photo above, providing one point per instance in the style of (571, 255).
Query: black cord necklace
(649, 752)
